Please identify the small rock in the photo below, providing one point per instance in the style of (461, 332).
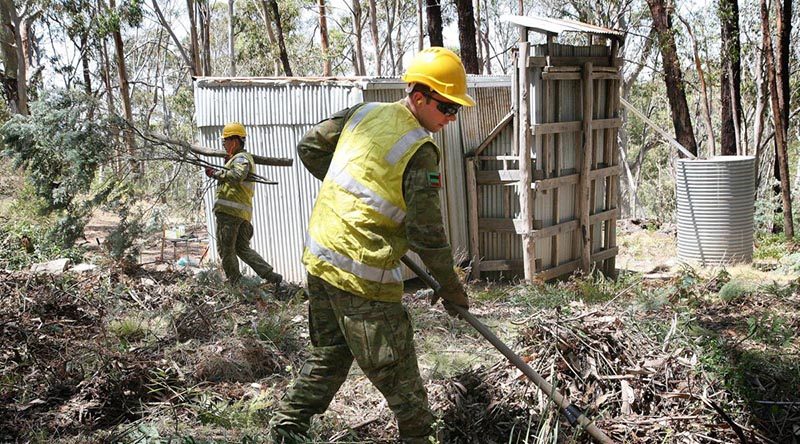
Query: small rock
(53, 267)
(83, 267)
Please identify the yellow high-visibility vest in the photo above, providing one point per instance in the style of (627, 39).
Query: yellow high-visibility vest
(356, 235)
(236, 199)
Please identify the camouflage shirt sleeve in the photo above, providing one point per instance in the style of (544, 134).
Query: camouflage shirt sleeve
(424, 227)
(316, 147)
(235, 170)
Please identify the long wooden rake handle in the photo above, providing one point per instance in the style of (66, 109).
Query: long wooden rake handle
(570, 411)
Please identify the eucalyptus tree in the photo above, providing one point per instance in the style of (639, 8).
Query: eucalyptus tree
(61, 149)
(433, 12)
(279, 33)
(673, 74)
(323, 33)
(779, 104)
(466, 35)
(16, 38)
(730, 78)
(112, 21)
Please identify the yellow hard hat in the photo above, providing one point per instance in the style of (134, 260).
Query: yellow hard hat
(233, 129)
(442, 71)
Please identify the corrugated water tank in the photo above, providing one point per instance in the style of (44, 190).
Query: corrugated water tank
(715, 209)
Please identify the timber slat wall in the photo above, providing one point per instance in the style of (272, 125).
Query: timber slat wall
(557, 186)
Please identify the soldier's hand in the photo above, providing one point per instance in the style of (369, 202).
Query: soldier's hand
(455, 295)
(211, 172)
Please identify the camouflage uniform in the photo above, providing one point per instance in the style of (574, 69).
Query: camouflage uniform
(233, 231)
(377, 334)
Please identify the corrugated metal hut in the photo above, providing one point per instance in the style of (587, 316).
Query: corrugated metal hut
(539, 204)
(278, 111)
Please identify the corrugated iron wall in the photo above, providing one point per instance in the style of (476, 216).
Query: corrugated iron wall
(277, 112)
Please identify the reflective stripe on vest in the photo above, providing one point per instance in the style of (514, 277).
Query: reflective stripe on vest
(345, 263)
(359, 115)
(236, 199)
(237, 205)
(369, 197)
(356, 235)
(404, 144)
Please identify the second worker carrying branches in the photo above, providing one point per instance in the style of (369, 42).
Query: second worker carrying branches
(233, 208)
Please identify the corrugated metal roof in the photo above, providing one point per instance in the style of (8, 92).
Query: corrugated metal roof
(548, 25)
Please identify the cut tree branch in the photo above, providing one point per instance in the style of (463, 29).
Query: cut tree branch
(201, 150)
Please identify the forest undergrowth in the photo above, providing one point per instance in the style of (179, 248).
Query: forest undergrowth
(169, 356)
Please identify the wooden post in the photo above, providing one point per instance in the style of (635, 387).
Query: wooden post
(525, 172)
(585, 182)
(472, 200)
(612, 187)
(558, 165)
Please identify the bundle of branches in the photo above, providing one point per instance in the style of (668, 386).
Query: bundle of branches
(196, 155)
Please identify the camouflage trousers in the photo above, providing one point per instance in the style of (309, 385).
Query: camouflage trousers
(379, 336)
(233, 240)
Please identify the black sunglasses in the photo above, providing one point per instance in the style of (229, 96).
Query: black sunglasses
(446, 108)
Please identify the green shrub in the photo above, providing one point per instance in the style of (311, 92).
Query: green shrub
(770, 329)
(734, 291)
(770, 246)
(128, 329)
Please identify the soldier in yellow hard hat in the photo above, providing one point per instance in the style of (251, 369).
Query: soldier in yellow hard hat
(233, 208)
(379, 198)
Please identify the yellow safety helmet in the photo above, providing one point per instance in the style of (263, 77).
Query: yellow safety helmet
(442, 71)
(233, 129)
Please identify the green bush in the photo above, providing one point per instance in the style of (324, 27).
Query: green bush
(734, 291)
(23, 243)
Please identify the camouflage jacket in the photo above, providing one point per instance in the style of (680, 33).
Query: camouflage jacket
(234, 172)
(423, 223)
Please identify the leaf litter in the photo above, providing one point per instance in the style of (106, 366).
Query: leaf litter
(188, 351)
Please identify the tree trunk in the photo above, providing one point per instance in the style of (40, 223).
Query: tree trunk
(323, 34)
(105, 70)
(15, 86)
(487, 48)
(434, 13)
(784, 30)
(397, 55)
(205, 31)
(231, 40)
(706, 101)
(125, 95)
(761, 97)
(194, 47)
(673, 76)
(420, 26)
(466, 36)
(391, 10)
(730, 79)
(373, 26)
(86, 69)
(777, 118)
(479, 45)
(276, 14)
(358, 28)
(273, 41)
